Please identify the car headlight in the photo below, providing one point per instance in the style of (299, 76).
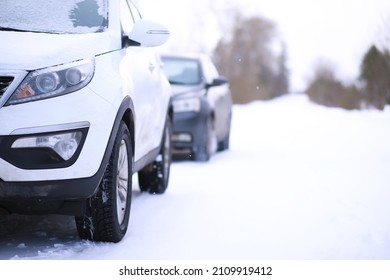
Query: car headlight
(53, 81)
(191, 104)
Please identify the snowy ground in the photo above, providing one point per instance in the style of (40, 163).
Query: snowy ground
(300, 181)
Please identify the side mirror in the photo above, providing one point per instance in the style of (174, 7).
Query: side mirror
(217, 82)
(147, 33)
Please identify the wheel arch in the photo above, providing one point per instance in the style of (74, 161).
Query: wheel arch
(125, 113)
(170, 111)
(128, 118)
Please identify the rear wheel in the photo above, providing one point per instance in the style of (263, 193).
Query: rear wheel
(154, 177)
(108, 211)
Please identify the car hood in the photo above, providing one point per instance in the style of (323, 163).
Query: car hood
(179, 91)
(29, 51)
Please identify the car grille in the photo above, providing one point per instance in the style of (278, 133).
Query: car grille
(5, 81)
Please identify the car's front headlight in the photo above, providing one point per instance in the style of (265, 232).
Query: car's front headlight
(191, 104)
(53, 81)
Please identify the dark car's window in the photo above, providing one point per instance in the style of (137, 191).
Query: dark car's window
(53, 16)
(182, 71)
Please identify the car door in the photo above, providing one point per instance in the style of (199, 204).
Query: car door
(219, 97)
(144, 68)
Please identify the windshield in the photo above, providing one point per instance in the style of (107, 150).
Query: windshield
(53, 16)
(182, 71)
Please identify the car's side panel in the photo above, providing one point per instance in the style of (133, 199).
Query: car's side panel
(150, 96)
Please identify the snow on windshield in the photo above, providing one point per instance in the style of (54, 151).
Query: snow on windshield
(53, 16)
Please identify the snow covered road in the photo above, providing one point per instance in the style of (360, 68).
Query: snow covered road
(300, 182)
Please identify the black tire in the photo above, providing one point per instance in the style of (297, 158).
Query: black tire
(108, 211)
(154, 177)
(224, 144)
(208, 147)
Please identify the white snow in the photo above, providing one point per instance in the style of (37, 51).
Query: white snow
(300, 182)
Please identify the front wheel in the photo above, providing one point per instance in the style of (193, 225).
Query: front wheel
(209, 145)
(108, 211)
(224, 144)
(154, 177)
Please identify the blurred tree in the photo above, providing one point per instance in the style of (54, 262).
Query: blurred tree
(375, 73)
(247, 59)
(327, 90)
(382, 34)
(281, 81)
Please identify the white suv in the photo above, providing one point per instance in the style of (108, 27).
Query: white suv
(84, 104)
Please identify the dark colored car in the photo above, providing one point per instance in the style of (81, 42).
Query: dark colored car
(202, 105)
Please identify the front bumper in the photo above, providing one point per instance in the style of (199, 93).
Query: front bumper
(189, 128)
(34, 181)
(51, 116)
(42, 197)
(48, 197)
(57, 196)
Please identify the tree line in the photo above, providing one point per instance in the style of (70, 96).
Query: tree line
(371, 90)
(248, 59)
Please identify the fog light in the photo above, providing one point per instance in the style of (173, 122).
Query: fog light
(65, 144)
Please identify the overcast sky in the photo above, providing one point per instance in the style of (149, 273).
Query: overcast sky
(337, 31)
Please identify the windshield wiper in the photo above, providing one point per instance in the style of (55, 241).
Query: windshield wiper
(2, 28)
(176, 83)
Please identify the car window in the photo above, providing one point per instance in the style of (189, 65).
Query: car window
(53, 16)
(182, 71)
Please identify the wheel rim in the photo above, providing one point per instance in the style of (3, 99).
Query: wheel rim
(122, 182)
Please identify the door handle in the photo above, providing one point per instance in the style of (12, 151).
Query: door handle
(151, 67)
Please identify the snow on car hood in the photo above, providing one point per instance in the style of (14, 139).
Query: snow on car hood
(29, 51)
